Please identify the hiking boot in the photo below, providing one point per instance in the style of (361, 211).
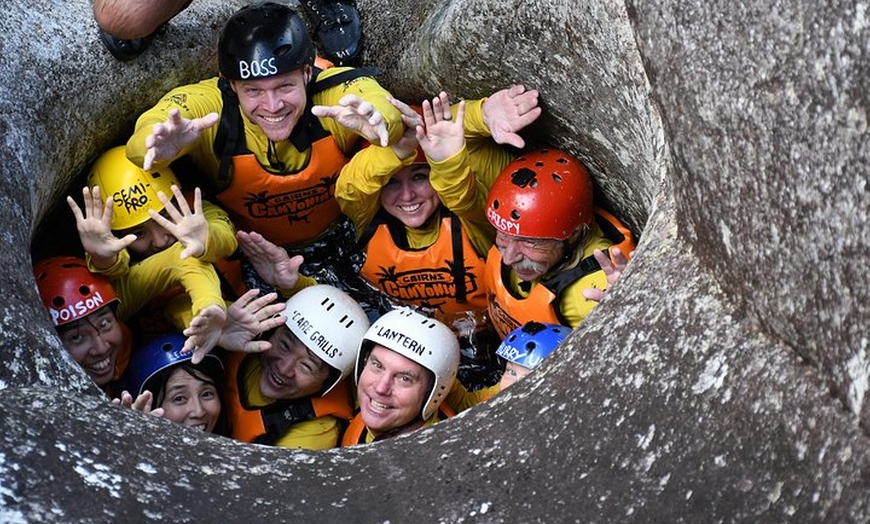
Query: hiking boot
(124, 50)
(337, 29)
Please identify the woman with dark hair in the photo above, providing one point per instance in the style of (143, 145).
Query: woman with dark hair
(189, 394)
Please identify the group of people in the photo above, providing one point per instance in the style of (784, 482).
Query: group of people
(403, 241)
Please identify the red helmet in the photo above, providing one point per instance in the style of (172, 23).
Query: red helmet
(69, 291)
(542, 194)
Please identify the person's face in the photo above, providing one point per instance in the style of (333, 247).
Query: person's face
(512, 373)
(191, 401)
(530, 258)
(94, 342)
(409, 196)
(391, 390)
(151, 238)
(291, 370)
(276, 103)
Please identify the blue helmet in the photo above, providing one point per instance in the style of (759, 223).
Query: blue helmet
(531, 343)
(159, 353)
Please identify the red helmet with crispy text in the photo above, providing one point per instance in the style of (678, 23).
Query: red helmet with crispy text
(545, 193)
(69, 291)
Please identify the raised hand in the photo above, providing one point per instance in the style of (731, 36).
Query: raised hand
(443, 136)
(357, 115)
(141, 404)
(248, 317)
(612, 269)
(167, 139)
(508, 111)
(204, 332)
(95, 228)
(189, 228)
(269, 260)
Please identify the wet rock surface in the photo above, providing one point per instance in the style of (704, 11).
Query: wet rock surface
(722, 380)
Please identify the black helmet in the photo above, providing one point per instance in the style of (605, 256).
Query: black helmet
(262, 40)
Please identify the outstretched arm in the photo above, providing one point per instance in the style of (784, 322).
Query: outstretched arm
(357, 115)
(508, 111)
(189, 228)
(169, 138)
(269, 260)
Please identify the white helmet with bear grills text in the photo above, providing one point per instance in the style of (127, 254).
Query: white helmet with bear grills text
(263, 39)
(133, 190)
(421, 339)
(330, 324)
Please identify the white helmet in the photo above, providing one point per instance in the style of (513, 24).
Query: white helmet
(330, 323)
(420, 339)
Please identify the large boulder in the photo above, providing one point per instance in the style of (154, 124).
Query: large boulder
(723, 379)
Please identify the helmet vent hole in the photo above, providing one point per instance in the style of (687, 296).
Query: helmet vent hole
(57, 302)
(534, 183)
(530, 346)
(562, 160)
(84, 291)
(522, 176)
(283, 50)
(515, 215)
(557, 178)
(166, 347)
(495, 204)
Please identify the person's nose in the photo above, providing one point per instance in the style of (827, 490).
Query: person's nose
(287, 366)
(160, 239)
(274, 102)
(383, 384)
(196, 409)
(100, 346)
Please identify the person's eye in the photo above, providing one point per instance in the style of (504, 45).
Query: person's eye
(209, 394)
(106, 324)
(75, 339)
(179, 399)
(420, 177)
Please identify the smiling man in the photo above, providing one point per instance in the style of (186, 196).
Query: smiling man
(405, 368)
(268, 138)
(294, 394)
(550, 260)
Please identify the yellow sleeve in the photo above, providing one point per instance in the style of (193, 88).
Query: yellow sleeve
(161, 271)
(461, 399)
(575, 307)
(193, 101)
(462, 182)
(116, 270)
(221, 241)
(303, 282)
(359, 185)
(474, 125)
(320, 433)
(368, 89)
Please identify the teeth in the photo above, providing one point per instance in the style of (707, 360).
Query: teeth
(101, 365)
(378, 405)
(411, 208)
(273, 119)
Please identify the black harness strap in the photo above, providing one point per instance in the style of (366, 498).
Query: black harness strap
(280, 416)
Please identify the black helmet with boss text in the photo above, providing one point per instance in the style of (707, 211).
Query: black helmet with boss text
(263, 39)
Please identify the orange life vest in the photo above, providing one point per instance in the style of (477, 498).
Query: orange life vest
(290, 208)
(508, 310)
(356, 430)
(265, 425)
(446, 277)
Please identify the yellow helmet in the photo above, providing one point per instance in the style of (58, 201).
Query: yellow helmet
(133, 189)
